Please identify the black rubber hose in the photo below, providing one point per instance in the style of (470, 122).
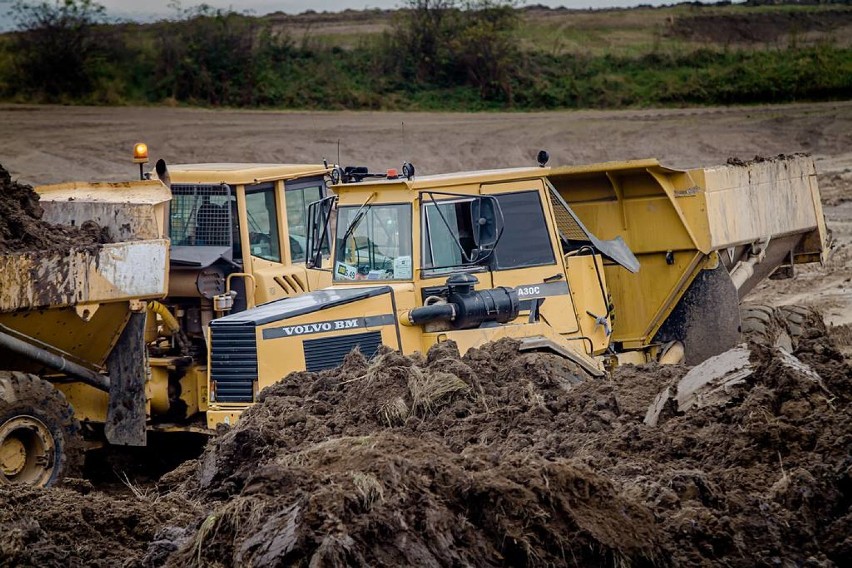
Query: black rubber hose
(446, 312)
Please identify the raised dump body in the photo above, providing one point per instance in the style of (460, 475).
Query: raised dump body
(704, 239)
(75, 316)
(78, 301)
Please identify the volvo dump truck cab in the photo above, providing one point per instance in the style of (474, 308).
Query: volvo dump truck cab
(602, 264)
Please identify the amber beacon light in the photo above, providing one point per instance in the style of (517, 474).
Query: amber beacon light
(140, 156)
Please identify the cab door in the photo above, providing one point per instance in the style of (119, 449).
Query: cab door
(528, 255)
(446, 242)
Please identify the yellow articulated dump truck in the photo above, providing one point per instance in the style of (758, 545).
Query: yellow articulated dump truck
(72, 346)
(603, 264)
(122, 333)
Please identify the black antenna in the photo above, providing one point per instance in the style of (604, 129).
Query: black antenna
(338, 151)
(404, 148)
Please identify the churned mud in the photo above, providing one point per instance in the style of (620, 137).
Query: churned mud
(22, 229)
(495, 458)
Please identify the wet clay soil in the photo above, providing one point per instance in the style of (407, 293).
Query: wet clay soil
(492, 459)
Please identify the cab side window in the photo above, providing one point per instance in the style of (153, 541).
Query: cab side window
(299, 196)
(525, 240)
(447, 234)
(262, 221)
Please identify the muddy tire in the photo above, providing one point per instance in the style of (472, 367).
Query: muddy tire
(782, 326)
(759, 323)
(800, 319)
(40, 440)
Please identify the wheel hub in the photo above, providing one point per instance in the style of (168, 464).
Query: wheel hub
(26, 450)
(13, 457)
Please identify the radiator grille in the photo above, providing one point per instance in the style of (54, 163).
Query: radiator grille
(329, 352)
(233, 362)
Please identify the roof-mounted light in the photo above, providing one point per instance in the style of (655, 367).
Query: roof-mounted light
(140, 153)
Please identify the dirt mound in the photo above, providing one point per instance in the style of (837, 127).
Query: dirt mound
(81, 527)
(500, 458)
(494, 458)
(21, 227)
(405, 461)
(758, 27)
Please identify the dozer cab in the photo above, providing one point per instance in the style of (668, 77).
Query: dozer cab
(603, 264)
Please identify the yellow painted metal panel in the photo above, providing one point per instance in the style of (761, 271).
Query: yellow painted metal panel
(236, 173)
(89, 404)
(589, 295)
(90, 341)
(107, 273)
(130, 210)
(761, 199)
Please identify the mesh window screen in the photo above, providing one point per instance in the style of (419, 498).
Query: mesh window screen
(565, 222)
(200, 215)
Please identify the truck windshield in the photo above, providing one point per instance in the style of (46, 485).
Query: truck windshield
(373, 243)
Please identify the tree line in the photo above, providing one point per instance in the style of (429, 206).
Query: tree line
(437, 54)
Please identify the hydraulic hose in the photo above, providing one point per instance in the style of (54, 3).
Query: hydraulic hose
(170, 322)
(162, 311)
(54, 361)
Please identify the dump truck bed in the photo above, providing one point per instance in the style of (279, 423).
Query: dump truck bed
(82, 276)
(695, 229)
(77, 301)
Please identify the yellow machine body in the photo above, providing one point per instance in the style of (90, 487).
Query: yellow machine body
(608, 263)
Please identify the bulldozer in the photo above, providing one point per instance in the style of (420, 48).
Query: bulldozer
(602, 264)
(106, 346)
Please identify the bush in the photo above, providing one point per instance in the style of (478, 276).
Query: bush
(56, 52)
(452, 43)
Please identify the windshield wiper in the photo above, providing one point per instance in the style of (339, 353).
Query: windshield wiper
(359, 216)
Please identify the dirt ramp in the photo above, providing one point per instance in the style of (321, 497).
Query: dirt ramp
(21, 227)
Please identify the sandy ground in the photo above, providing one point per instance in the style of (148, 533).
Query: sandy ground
(42, 144)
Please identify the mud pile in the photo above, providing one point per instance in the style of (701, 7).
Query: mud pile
(21, 227)
(501, 458)
(492, 459)
(76, 526)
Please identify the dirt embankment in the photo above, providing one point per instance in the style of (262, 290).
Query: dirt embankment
(22, 229)
(766, 27)
(498, 458)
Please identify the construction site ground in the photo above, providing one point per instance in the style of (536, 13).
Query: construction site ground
(493, 458)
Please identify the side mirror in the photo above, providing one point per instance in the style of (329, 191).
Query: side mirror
(487, 222)
(319, 227)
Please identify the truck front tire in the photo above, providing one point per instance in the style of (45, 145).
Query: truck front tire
(40, 440)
